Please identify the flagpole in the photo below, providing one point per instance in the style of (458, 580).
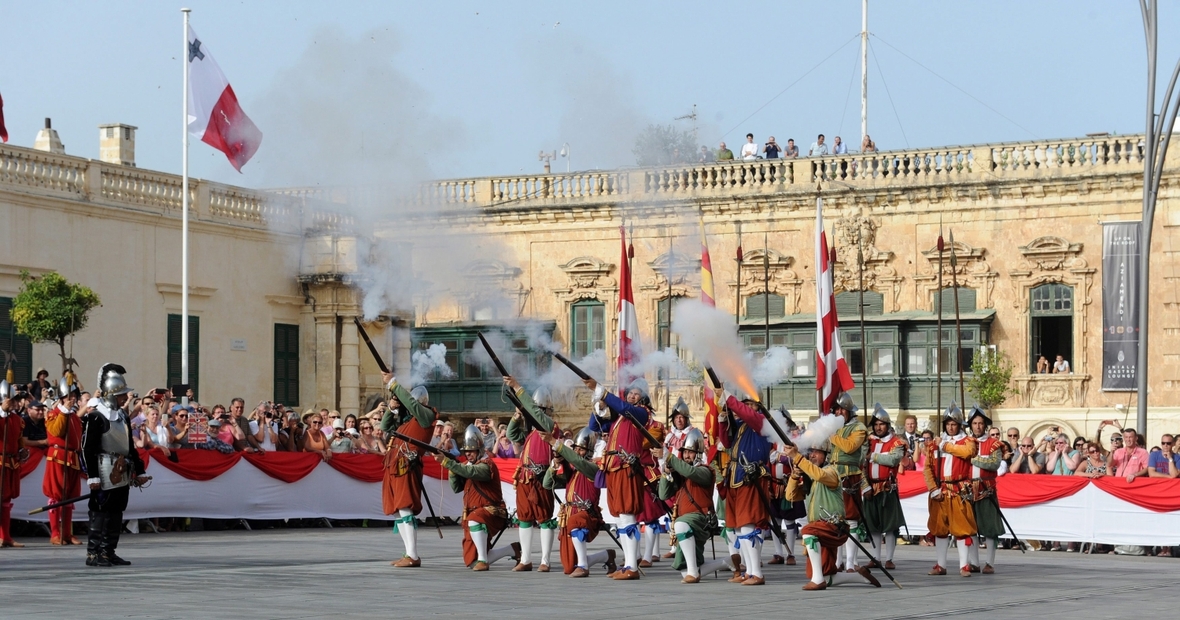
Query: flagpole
(737, 302)
(864, 344)
(958, 323)
(668, 372)
(766, 302)
(184, 219)
(938, 346)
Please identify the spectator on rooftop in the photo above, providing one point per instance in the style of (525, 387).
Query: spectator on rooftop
(838, 147)
(1061, 366)
(867, 145)
(792, 151)
(704, 156)
(1042, 365)
(771, 149)
(818, 148)
(749, 149)
(724, 154)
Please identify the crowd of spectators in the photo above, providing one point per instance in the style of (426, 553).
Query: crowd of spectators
(751, 150)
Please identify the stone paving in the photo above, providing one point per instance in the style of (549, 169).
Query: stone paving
(345, 572)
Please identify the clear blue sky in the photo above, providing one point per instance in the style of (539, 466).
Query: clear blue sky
(355, 90)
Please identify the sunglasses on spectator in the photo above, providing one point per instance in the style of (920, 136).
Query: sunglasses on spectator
(317, 422)
(1165, 443)
(1013, 435)
(1092, 451)
(1026, 445)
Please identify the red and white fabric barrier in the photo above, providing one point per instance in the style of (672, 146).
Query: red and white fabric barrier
(279, 485)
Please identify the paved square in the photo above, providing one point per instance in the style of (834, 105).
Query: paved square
(345, 572)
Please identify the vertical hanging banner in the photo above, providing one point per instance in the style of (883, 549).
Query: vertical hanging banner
(1120, 305)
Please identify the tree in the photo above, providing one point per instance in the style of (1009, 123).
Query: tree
(51, 308)
(659, 145)
(991, 378)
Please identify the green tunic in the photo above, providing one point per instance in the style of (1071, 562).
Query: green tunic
(988, 520)
(462, 472)
(394, 418)
(700, 525)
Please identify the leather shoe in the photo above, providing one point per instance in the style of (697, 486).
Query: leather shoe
(116, 560)
(863, 571)
(479, 566)
(11, 543)
(738, 577)
(890, 565)
(522, 568)
(56, 540)
(611, 567)
(70, 540)
(91, 559)
(100, 560)
(668, 555)
(988, 570)
(690, 579)
(811, 585)
(790, 561)
(778, 559)
(626, 575)
(973, 568)
(754, 581)
(407, 562)
(579, 573)
(964, 572)
(544, 568)
(644, 564)
(937, 570)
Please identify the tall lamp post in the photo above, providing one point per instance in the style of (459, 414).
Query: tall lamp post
(1155, 150)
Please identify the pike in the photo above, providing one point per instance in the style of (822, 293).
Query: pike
(765, 414)
(528, 417)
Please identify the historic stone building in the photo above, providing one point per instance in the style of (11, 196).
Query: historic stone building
(278, 277)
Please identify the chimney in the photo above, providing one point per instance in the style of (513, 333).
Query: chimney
(47, 140)
(116, 144)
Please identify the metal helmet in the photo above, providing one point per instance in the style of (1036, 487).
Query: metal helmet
(543, 398)
(472, 440)
(879, 413)
(421, 395)
(5, 389)
(783, 411)
(823, 446)
(639, 384)
(681, 408)
(586, 439)
(977, 411)
(844, 401)
(953, 413)
(695, 440)
(111, 383)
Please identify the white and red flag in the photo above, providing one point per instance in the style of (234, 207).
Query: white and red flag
(3, 131)
(831, 371)
(214, 115)
(628, 324)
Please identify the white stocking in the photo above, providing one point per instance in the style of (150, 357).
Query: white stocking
(479, 538)
(890, 546)
(630, 545)
(778, 543)
(547, 535)
(649, 542)
(580, 549)
(814, 557)
(789, 533)
(688, 547)
(526, 543)
(713, 566)
(992, 543)
(408, 532)
(973, 551)
(751, 552)
(963, 549)
(497, 554)
(593, 559)
(942, 546)
(850, 548)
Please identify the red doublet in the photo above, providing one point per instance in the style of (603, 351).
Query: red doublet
(11, 427)
(953, 468)
(878, 445)
(63, 468)
(987, 447)
(534, 503)
(402, 485)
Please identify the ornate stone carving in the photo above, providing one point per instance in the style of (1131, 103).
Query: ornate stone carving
(856, 235)
(782, 279)
(490, 283)
(1051, 259)
(682, 269)
(1052, 390)
(588, 279)
(971, 269)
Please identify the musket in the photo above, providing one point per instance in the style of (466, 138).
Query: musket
(530, 421)
(495, 540)
(765, 414)
(586, 377)
(372, 349)
(64, 502)
(433, 450)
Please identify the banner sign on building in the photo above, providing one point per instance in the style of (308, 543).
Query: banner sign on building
(1120, 305)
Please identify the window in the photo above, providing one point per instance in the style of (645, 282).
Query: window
(194, 356)
(847, 304)
(947, 299)
(587, 328)
(664, 336)
(286, 365)
(756, 306)
(472, 386)
(923, 352)
(881, 347)
(1051, 323)
(22, 368)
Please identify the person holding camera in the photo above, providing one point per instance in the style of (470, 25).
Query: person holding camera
(291, 433)
(12, 444)
(263, 430)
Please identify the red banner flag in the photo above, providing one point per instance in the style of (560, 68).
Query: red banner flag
(831, 371)
(628, 323)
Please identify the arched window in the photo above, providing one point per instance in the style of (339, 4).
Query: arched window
(1051, 324)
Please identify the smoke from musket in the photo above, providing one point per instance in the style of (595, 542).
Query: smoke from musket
(711, 335)
(773, 367)
(819, 431)
(425, 364)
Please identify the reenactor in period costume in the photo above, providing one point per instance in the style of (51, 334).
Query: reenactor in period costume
(409, 414)
(816, 480)
(11, 448)
(113, 464)
(984, 468)
(948, 478)
(534, 502)
(689, 483)
(63, 461)
(623, 464)
(580, 517)
(484, 513)
(848, 454)
(654, 516)
(681, 426)
(882, 515)
(746, 482)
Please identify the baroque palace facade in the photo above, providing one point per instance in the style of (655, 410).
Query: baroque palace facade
(276, 277)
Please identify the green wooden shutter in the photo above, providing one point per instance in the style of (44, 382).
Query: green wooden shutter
(848, 304)
(756, 306)
(966, 300)
(20, 346)
(587, 327)
(286, 364)
(194, 352)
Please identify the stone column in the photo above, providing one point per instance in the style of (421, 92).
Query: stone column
(350, 370)
(401, 349)
(308, 335)
(325, 356)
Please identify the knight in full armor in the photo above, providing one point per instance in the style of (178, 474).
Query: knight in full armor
(581, 517)
(534, 502)
(984, 470)
(848, 453)
(63, 460)
(882, 503)
(484, 513)
(948, 478)
(409, 414)
(112, 464)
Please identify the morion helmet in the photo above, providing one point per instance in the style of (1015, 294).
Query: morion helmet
(695, 440)
(953, 413)
(844, 401)
(543, 398)
(783, 411)
(5, 389)
(111, 384)
(977, 411)
(681, 408)
(472, 440)
(586, 439)
(68, 385)
(421, 395)
(879, 413)
(639, 384)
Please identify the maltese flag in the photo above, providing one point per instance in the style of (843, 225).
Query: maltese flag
(214, 115)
